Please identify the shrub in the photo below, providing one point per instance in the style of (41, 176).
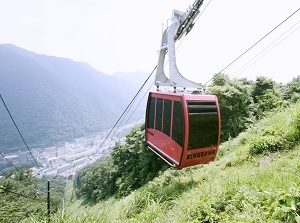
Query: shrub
(262, 144)
(279, 131)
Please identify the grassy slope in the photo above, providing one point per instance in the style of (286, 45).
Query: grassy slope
(238, 187)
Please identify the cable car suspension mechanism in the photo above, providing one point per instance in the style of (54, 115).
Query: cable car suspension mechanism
(182, 23)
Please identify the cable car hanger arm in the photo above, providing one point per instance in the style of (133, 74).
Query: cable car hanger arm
(182, 23)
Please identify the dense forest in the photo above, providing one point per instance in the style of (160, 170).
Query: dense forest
(242, 103)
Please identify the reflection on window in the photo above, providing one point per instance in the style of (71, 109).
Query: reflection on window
(203, 124)
(167, 116)
(178, 123)
(151, 113)
(159, 107)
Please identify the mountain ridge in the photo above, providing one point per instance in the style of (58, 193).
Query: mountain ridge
(55, 99)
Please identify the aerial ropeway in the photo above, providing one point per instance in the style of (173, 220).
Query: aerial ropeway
(183, 124)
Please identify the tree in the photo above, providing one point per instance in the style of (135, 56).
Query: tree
(292, 90)
(19, 196)
(261, 87)
(267, 95)
(96, 181)
(135, 164)
(128, 167)
(236, 104)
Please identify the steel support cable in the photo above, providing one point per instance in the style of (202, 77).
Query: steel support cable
(13, 178)
(10, 191)
(241, 70)
(126, 109)
(20, 194)
(14, 210)
(246, 51)
(194, 23)
(2, 171)
(10, 216)
(138, 104)
(187, 24)
(19, 131)
(9, 162)
(124, 116)
(122, 120)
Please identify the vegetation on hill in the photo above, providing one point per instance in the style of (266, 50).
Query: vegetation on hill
(22, 195)
(130, 166)
(243, 101)
(254, 179)
(241, 186)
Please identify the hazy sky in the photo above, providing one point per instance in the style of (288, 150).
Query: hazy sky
(124, 36)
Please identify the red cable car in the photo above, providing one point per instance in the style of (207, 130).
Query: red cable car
(182, 127)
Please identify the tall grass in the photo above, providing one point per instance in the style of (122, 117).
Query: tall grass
(255, 179)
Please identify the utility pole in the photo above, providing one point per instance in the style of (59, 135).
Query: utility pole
(48, 202)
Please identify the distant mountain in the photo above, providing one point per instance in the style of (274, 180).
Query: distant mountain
(54, 100)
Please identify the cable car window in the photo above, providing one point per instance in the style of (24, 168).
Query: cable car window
(167, 116)
(203, 124)
(151, 113)
(158, 117)
(178, 123)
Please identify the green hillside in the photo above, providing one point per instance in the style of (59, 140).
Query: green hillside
(254, 179)
(54, 100)
(245, 184)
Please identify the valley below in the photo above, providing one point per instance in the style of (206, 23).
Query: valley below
(66, 159)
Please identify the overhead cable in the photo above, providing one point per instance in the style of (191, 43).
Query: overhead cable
(126, 109)
(254, 44)
(194, 23)
(9, 162)
(20, 194)
(19, 131)
(265, 50)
